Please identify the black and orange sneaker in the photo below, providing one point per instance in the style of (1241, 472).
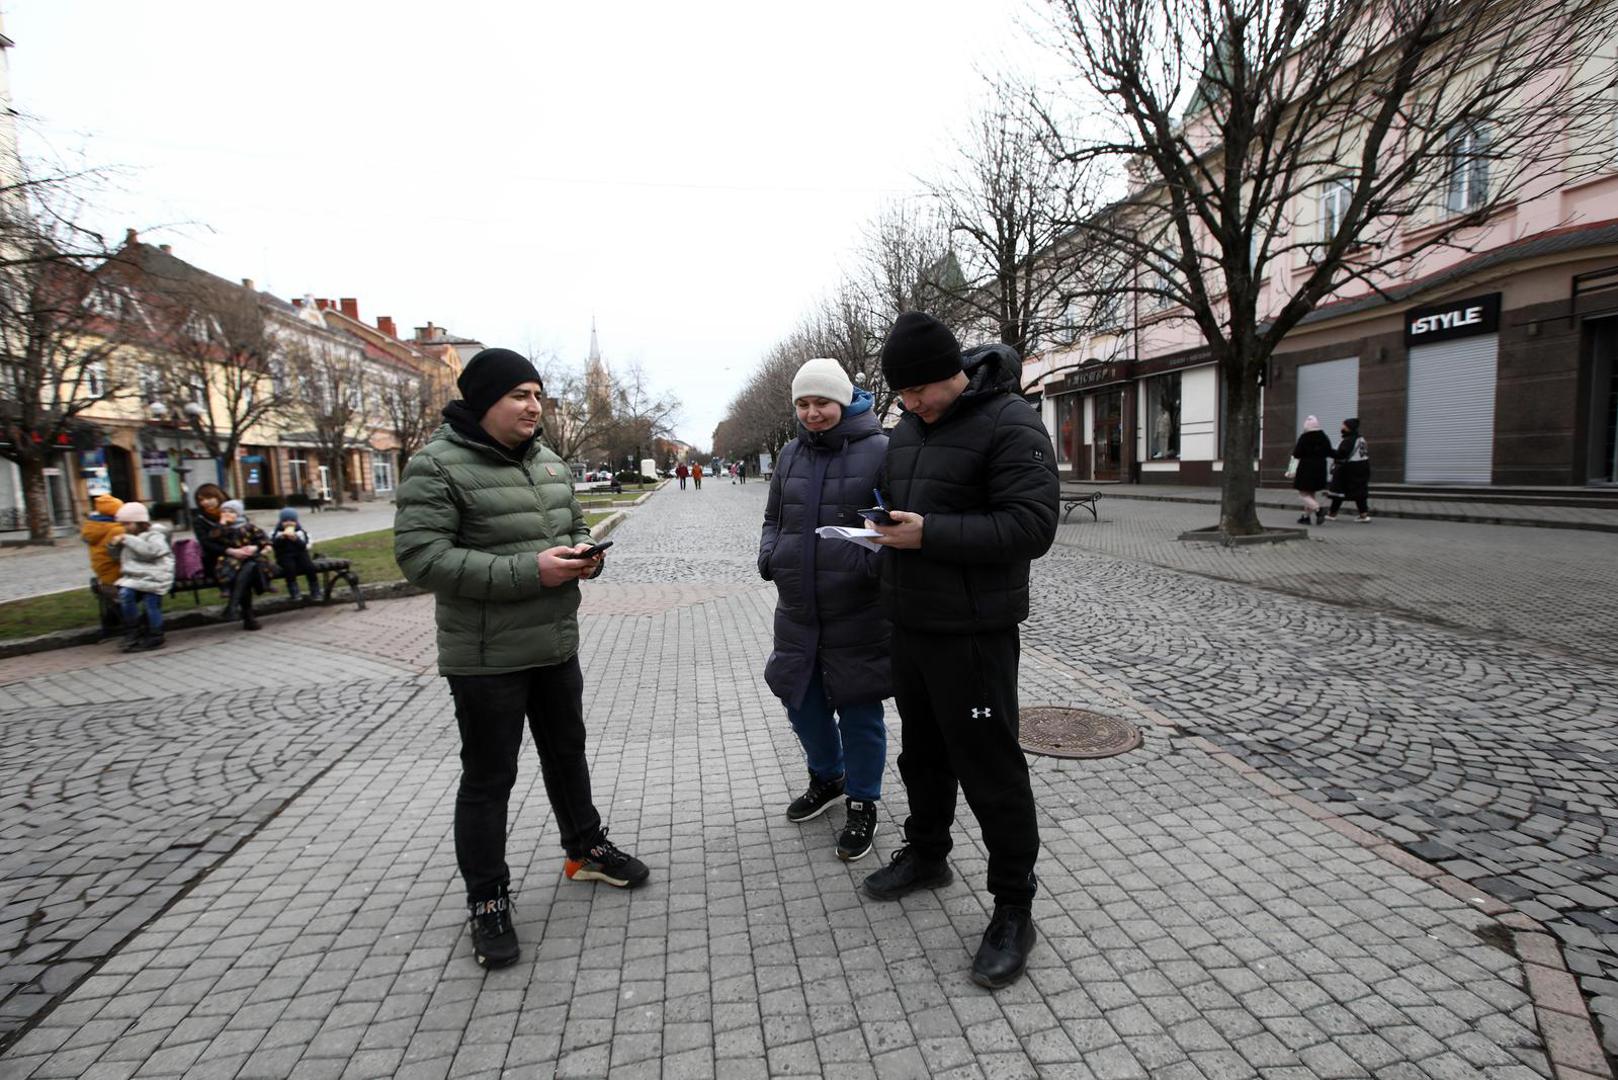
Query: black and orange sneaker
(605, 862)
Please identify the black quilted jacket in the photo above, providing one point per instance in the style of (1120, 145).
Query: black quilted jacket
(984, 477)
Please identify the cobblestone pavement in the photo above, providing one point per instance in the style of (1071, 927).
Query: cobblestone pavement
(1473, 509)
(1195, 921)
(1555, 588)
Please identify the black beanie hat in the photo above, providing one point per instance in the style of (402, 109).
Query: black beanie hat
(919, 349)
(491, 374)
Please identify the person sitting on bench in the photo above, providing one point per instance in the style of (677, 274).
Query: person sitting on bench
(291, 544)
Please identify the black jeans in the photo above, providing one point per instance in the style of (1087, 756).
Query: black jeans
(490, 710)
(957, 699)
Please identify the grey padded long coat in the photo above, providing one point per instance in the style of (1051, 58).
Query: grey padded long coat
(826, 611)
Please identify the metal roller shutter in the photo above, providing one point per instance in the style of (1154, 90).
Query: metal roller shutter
(1449, 430)
(1329, 391)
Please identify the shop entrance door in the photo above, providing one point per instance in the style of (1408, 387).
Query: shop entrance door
(1602, 454)
(1109, 434)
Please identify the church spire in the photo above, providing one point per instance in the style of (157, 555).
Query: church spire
(595, 348)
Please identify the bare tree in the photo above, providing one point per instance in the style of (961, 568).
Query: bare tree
(576, 422)
(220, 354)
(1010, 206)
(409, 406)
(1335, 141)
(640, 415)
(332, 390)
(62, 331)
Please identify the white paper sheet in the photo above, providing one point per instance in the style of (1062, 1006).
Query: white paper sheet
(852, 535)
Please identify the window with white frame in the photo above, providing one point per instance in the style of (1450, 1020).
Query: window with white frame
(95, 379)
(1335, 196)
(151, 383)
(382, 472)
(1467, 187)
(1160, 281)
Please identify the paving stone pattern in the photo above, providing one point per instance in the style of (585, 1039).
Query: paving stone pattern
(1550, 588)
(111, 805)
(1496, 759)
(1192, 924)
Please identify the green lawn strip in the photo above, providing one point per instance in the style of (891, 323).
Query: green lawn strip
(369, 554)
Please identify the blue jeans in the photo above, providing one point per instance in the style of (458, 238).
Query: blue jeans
(130, 602)
(853, 745)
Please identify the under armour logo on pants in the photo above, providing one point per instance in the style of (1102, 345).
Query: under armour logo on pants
(983, 713)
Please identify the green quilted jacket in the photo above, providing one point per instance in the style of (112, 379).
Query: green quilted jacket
(468, 523)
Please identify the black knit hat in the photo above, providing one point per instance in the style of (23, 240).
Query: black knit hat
(491, 374)
(919, 349)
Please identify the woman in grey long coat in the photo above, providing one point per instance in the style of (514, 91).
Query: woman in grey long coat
(830, 664)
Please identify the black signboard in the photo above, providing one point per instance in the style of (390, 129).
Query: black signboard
(1452, 319)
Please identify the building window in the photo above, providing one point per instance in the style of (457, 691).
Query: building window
(1468, 162)
(95, 379)
(151, 383)
(1067, 422)
(382, 472)
(1163, 418)
(1334, 199)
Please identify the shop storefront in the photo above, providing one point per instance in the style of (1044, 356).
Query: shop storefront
(1513, 385)
(1453, 353)
(1178, 420)
(257, 472)
(1089, 419)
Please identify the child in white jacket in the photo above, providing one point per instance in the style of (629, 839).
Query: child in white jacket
(148, 573)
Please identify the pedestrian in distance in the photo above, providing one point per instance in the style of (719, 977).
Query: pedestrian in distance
(829, 664)
(972, 489)
(487, 521)
(146, 573)
(1351, 472)
(242, 564)
(98, 528)
(682, 471)
(1309, 460)
(292, 554)
(696, 475)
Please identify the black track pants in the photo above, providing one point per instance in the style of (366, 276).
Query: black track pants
(491, 710)
(957, 698)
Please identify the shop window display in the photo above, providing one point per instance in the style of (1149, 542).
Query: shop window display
(1163, 418)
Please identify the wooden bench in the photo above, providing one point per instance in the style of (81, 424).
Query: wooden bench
(330, 572)
(1087, 501)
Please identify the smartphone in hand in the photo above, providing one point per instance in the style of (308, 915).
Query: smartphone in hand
(879, 512)
(590, 552)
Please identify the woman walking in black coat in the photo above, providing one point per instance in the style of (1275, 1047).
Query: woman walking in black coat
(1311, 453)
(1351, 478)
(830, 665)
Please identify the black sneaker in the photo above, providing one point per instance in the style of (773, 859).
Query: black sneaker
(605, 862)
(1003, 955)
(854, 842)
(494, 939)
(1320, 515)
(905, 874)
(812, 803)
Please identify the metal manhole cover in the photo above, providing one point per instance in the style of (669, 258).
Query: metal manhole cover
(1075, 733)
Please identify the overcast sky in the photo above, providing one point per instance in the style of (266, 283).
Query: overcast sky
(692, 176)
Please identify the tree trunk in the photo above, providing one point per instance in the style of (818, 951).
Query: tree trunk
(36, 506)
(1238, 483)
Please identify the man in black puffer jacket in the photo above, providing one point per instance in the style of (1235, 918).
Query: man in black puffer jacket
(971, 480)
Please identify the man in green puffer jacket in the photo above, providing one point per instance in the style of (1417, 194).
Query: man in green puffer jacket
(488, 523)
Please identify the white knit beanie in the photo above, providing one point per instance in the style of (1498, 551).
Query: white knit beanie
(823, 377)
